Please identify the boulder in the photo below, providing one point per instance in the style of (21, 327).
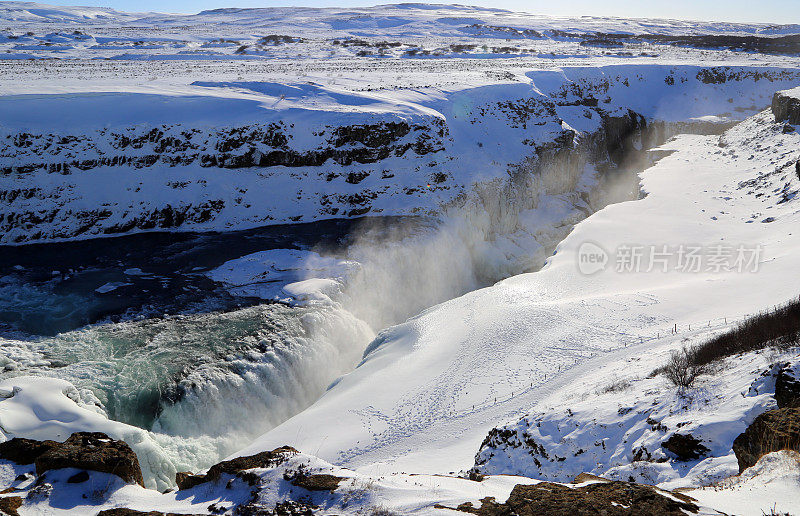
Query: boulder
(122, 511)
(318, 482)
(787, 386)
(266, 459)
(685, 447)
(773, 430)
(93, 451)
(613, 498)
(24, 451)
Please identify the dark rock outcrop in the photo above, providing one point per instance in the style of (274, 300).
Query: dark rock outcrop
(322, 482)
(254, 145)
(787, 387)
(312, 482)
(608, 498)
(773, 430)
(621, 134)
(286, 508)
(122, 511)
(24, 451)
(93, 451)
(786, 107)
(10, 504)
(685, 447)
(785, 45)
(266, 459)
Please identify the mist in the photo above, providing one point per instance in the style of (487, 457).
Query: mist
(492, 231)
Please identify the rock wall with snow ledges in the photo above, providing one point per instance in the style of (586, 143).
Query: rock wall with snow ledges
(786, 106)
(240, 155)
(257, 145)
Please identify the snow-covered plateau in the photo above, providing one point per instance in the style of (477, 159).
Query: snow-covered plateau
(406, 259)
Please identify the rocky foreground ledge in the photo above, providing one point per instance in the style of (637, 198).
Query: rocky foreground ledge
(286, 482)
(104, 474)
(87, 451)
(592, 495)
(91, 473)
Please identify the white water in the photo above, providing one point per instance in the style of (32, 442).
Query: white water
(205, 384)
(285, 367)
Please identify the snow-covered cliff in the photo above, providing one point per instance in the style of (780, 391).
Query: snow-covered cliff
(235, 155)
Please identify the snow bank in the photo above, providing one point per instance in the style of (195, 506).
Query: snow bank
(769, 487)
(287, 275)
(615, 421)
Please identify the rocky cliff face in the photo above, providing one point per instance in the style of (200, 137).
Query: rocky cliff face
(257, 145)
(774, 430)
(300, 165)
(124, 168)
(786, 106)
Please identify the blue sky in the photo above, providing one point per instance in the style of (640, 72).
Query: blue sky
(773, 11)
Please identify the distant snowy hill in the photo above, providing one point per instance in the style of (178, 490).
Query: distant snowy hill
(31, 12)
(391, 20)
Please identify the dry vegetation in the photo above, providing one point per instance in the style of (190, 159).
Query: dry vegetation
(779, 328)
